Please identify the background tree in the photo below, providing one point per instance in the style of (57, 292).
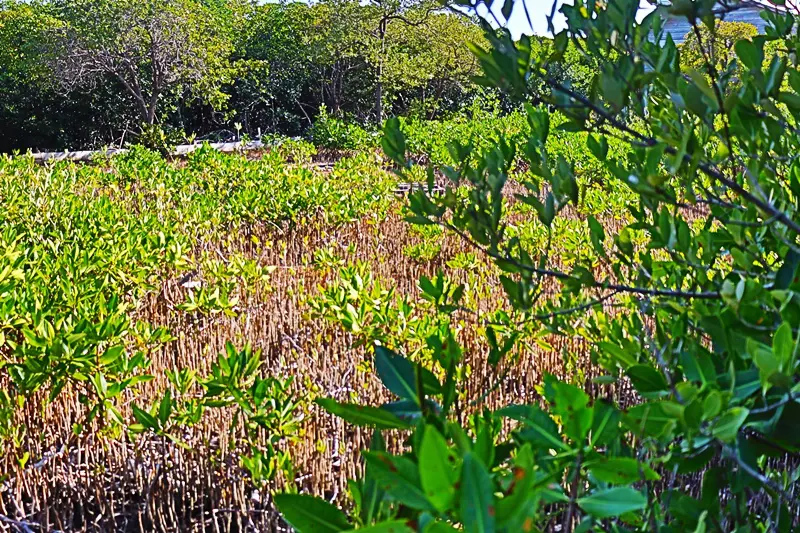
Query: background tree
(152, 48)
(578, 69)
(387, 14)
(717, 44)
(203, 66)
(430, 65)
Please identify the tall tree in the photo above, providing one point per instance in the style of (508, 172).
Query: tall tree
(389, 13)
(716, 45)
(153, 48)
(429, 61)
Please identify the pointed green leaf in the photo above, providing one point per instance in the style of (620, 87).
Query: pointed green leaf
(398, 375)
(438, 477)
(308, 514)
(613, 502)
(362, 415)
(477, 498)
(646, 379)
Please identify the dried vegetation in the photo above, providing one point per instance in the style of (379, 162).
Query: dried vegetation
(62, 472)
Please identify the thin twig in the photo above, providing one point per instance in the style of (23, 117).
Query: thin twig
(22, 525)
(706, 168)
(757, 475)
(706, 295)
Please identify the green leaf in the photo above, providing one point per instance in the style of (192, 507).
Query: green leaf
(437, 475)
(766, 361)
(619, 470)
(599, 148)
(440, 527)
(111, 355)
(308, 514)
(597, 235)
(782, 344)
(620, 356)
(701, 83)
(605, 423)
(508, 6)
(571, 404)
(655, 419)
(613, 502)
(712, 405)
(394, 142)
(399, 376)
(399, 477)
(165, 407)
(788, 270)
(144, 418)
(371, 493)
(646, 379)
(750, 54)
(539, 429)
(711, 487)
(32, 339)
(727, 427)
(743, 384)
(477, 511)
(392, 526)
(523, 498)
(362, 415)
(698, 367)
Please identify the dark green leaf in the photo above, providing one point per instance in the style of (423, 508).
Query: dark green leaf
(393, 526)
(647, 379)
(308, 514)
(398, 375)
(613, 502)
(477, 500)
(362, 415)
(619, 470)
(751, 55)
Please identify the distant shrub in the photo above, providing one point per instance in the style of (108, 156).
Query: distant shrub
(332, 132)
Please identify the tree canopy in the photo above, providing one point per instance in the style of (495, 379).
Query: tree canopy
(201, 65)
(152, 48)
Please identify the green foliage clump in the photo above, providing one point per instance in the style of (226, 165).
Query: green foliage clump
(160, 139)
(717, 44)
(260, 404)
(83, 246)
(293, 150)
(691, 301)
(331, 132)
(82, 74)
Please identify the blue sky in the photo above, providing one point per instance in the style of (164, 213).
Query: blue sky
(538, 10)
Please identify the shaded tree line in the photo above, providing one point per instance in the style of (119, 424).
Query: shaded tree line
(86, 73)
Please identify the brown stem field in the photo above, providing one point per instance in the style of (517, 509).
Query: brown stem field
(106, 478)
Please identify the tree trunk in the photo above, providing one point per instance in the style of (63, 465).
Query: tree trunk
(379, 85)
(153, 104)
(379, 102)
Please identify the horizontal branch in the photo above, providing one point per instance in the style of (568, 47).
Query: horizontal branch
(705, 295)
(707, 169)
